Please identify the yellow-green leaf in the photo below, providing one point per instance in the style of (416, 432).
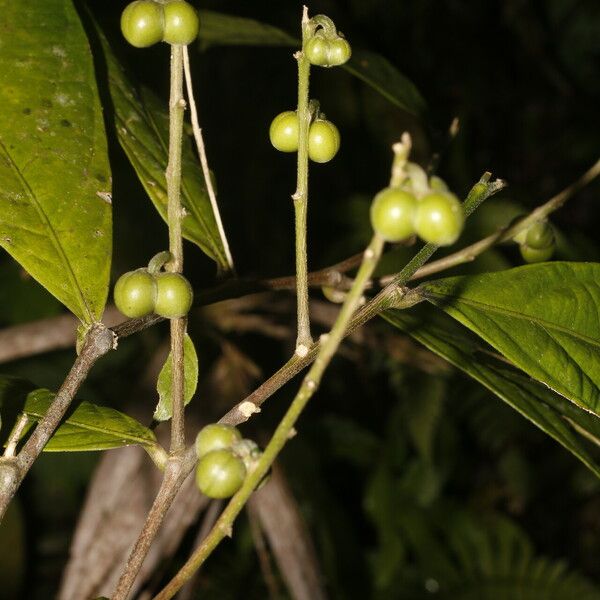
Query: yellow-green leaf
(55, 183)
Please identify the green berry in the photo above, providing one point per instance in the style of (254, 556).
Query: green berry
(220, 474)
(181, 23)
(323, 141)
(339, 52)
(142, 23)
(135, 293)
(439, 219)
(283, 132)
(393, 214)
(437, 184)
(540, 235)
(317, 50)
(536, 255)
(173, 295)
(216, 436)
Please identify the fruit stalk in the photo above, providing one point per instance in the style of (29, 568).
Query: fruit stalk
(173, 176)
(300, 197)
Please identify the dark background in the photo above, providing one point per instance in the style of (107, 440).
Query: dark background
(523, 79)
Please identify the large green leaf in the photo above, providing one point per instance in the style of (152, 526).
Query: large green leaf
(89, 427)
(376, 71)
(547, 410)
(142, 127)
(164, 409)
(543, 318)
(55, 216)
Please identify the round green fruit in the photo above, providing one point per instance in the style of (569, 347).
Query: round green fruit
(173, 295)
(135, 293)
(439, 219)
(216, 436)
(283, 132)
(317, 50)
(220, 474)
(536, 255)
(323, 141)
(181, 23)
(142, 23)
(339, 52)
(393, 214)
(540, 235)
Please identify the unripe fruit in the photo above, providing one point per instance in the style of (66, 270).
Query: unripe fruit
(536, 255)
(323, 52)
(135, 293)
(174, 295)
(181, 23)
(220, 474)
(216, 436)
(439, 219)
(283, 132)
(393, 214)
(339, 52)
(317, 50)
(323, 141)
(142, 23)
(540, 235)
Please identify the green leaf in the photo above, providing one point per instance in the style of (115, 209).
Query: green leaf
(380, 74)
(543, 318)
(142, 127)
(226, 30)
(164, 409)
(54, 172)
(541, 406)
(375, 70)
(89, 427)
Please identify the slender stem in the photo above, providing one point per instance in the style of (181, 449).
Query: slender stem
(98, 341)
(329, 345)
(15, 435)
(203, 160)
(300, 197)
(169, 487)
(173, 176)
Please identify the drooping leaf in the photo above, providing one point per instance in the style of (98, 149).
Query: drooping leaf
(164, 409)
(55, 182)
(142, 127)
(380, 74)
(541, 406)
(370, 67)
(543, 318)
(219, 29)
(89, 427)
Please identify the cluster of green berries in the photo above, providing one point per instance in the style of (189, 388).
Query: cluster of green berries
(324, 52)
(323, 136)
(537, 243)
(224, 460)
(139, 293)
(147, 22)
(436, 217)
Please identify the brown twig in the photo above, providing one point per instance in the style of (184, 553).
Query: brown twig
(98, 341)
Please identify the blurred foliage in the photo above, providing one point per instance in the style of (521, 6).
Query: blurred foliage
(414, 481)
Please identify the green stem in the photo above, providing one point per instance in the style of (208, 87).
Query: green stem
(173, 175)
(329, 345)
(300, 197)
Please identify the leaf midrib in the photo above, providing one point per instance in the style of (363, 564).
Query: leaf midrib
(517, 315)
(53, 236)
(140, 440)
